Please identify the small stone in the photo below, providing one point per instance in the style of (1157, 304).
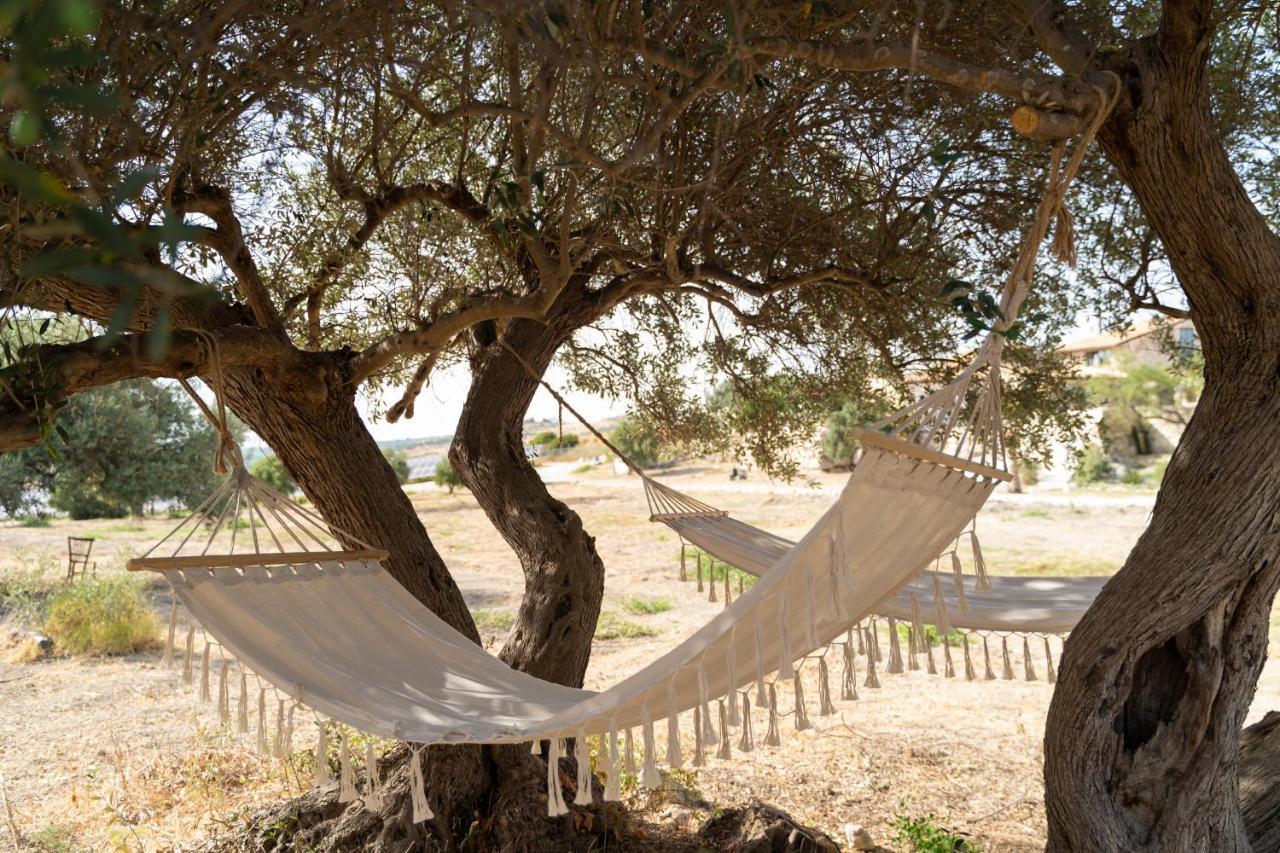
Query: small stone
(857, 837)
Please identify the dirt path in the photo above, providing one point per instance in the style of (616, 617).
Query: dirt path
(115, 754)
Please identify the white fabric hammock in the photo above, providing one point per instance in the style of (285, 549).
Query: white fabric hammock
(344, 638)
(1035, 605)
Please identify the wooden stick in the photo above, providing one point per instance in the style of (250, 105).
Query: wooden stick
(928, 454)
(218, 561)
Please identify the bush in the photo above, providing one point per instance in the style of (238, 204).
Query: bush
(1093, 466)
(399, 463)
(446, 476)
(23, 593)
(270, 470)
(1131, 477)
(546, 437)
(101, 616)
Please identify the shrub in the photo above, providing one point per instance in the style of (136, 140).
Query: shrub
(566, 441)
(1131, 477)
(1093, 466)
(445, 476)
(546, 437)
(399, 463)
(23, 593)
(35, 521)
(643, 605)
(101, 616)
(584, 468)
(270, 470)
(931, 635)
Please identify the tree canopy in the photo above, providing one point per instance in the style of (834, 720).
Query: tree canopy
(303, 202)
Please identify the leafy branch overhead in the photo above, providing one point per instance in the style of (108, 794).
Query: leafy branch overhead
(398, 186)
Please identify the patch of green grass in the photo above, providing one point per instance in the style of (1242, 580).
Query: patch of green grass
(931, 635)
(35, 521)
(101, 616)
(611, 626)
(493, 621)
(53, 838)
(645, 605)
(582, 469)
(715, 570)
(1035, 512)
(924, 834)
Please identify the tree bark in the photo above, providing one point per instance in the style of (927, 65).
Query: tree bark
(1141, 738)
(563, 574)
(1259, 793)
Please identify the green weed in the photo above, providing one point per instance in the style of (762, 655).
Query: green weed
(644, 605)
(923, 834)
(611, 626)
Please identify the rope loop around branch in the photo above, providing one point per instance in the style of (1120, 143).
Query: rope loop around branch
(227, 458)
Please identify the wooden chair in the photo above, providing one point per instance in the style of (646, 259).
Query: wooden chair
(78, 564)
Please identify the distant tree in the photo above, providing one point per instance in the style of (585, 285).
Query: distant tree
(270, 470)
(24, 476)
(638, 440)
(838, 442)
(445, 476)
(399, 463)
(567, 441)
(129, 445)
(1139, 392)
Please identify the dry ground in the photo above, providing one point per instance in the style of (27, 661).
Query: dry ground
(114, 754)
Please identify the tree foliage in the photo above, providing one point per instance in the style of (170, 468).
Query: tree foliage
(120, 450)
(270, 470)
(445, 476)
(639, 441)
(399, 463)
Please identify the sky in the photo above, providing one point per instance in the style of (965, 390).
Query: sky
(438, 408)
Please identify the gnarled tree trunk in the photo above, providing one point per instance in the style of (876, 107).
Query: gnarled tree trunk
(307, 414)
(563, 574)
(1141, 741)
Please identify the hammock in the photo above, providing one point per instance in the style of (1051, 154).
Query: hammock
(1031, 605)
(311, 612)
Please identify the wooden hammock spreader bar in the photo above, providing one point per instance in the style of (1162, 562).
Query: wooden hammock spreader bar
(221, 561)
(928, 454)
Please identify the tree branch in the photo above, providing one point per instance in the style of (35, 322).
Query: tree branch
(32, 389)
(1060, 93)
(215, 203)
